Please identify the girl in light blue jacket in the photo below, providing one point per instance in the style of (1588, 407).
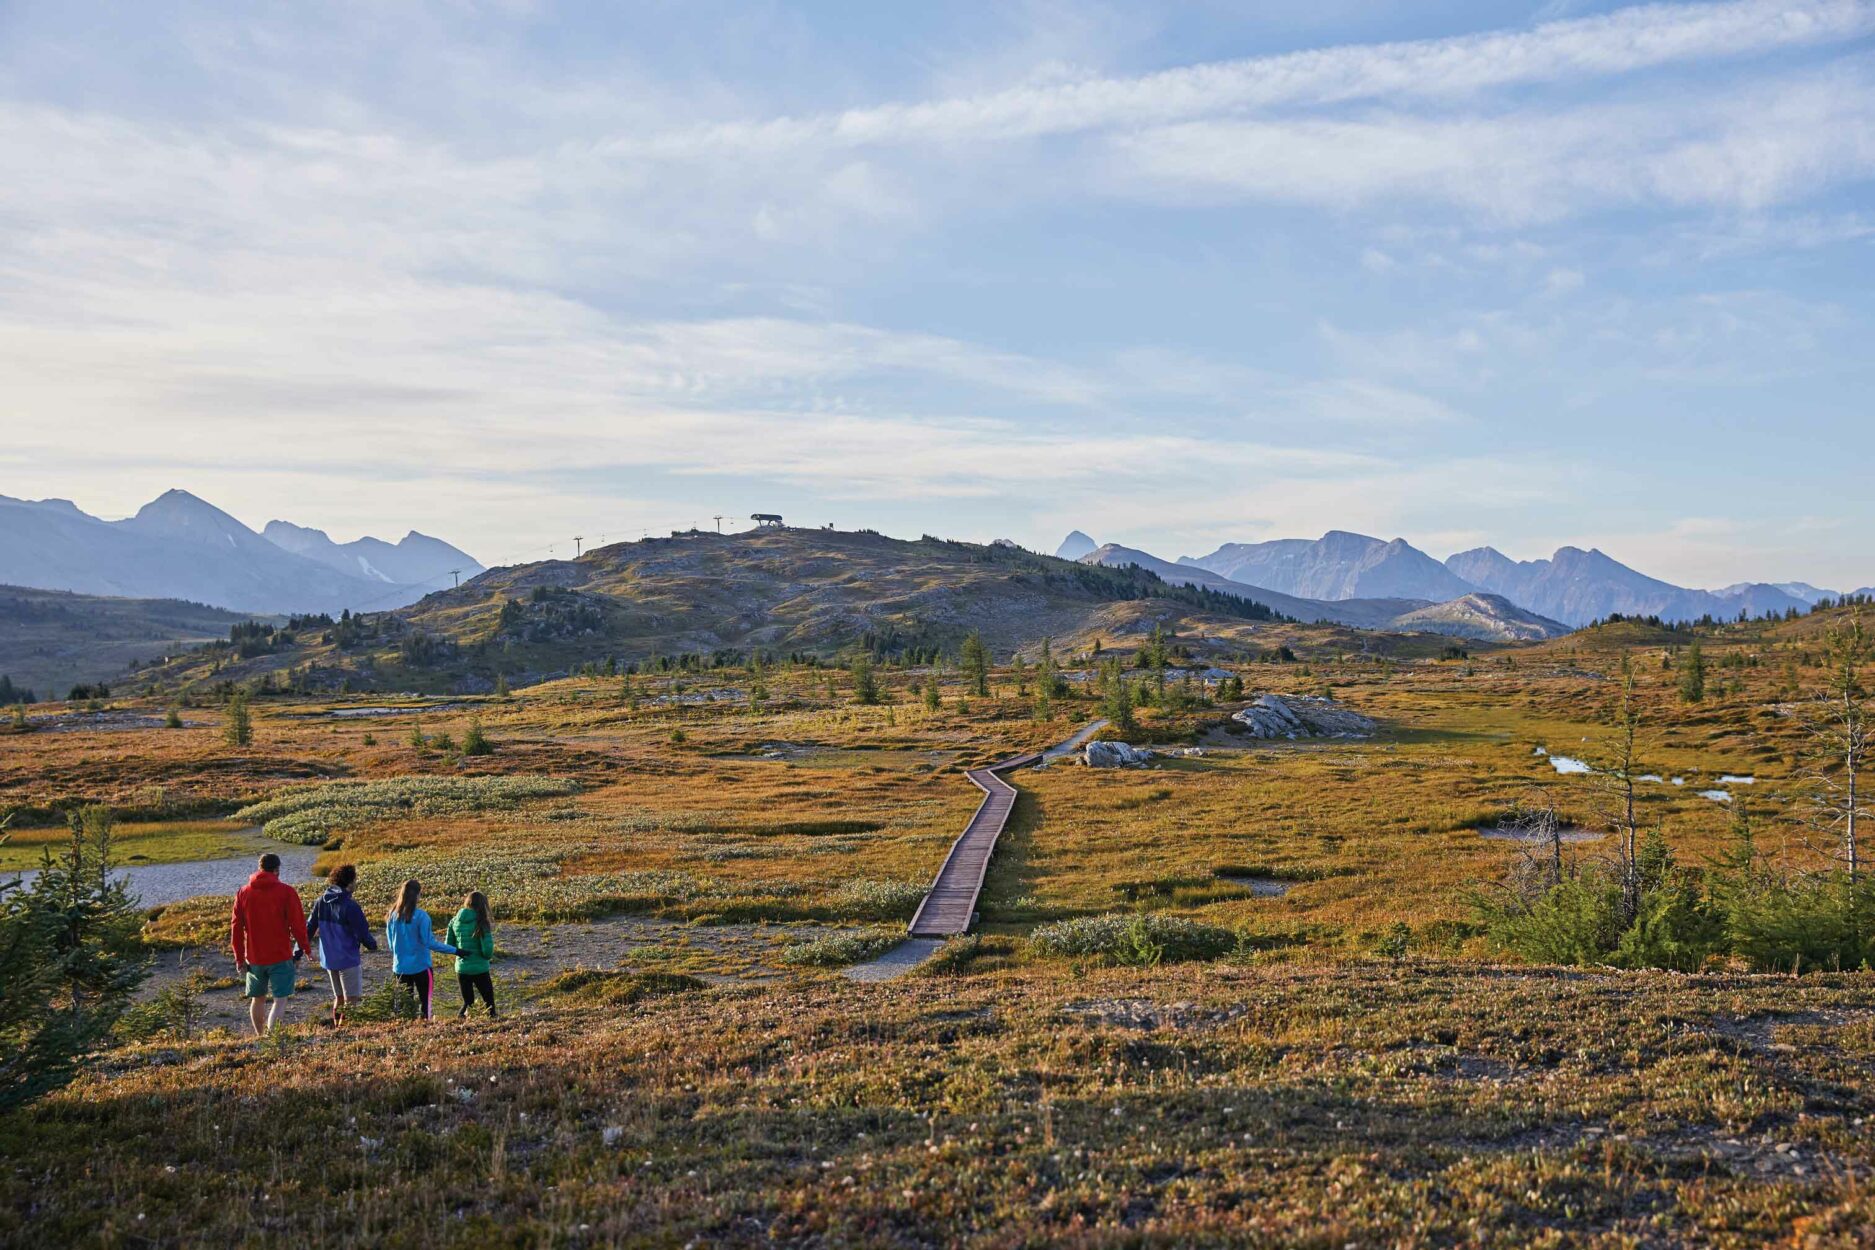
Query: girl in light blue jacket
(407, 932)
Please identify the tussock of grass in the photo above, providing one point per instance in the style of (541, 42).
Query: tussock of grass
(312, 814)
(878, 900)
(841, 949)
(1136, 940)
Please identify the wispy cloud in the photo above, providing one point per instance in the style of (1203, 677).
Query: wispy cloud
(1708, 148)
(1000, 296)
(1642, 37)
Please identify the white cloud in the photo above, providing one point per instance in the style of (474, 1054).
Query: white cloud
(1709, 149)
(1627, 40)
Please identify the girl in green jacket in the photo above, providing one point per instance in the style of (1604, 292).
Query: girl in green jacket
(473, 934)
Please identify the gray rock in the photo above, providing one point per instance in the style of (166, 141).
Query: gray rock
(1114, 755)
(1296, 716)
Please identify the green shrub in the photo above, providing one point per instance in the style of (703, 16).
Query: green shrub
(840, 949)
(1585, 917)
(475, 742)
(878, 900)
(1138, 940)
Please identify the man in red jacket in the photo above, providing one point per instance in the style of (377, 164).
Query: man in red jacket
(269, 937)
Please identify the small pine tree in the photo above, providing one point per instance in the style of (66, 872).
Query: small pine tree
(865, 683)
(417, 739)
(1693, 675)
(501, 685)
(933, 698)
(976, 662)
(475, 742)
(239, 730)
(71, 957)
(1117, 700)
(19, 718)
(173, 719)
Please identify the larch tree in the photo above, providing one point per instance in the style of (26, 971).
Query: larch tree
(1839, 728)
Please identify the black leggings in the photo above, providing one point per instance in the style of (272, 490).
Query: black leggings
(419, 984)
(473, 983)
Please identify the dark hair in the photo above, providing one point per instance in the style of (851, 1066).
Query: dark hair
(406, 905)
(343, 876)
(270, 862)
(477, 902)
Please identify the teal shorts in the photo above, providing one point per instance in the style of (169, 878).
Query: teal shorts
(271, 980)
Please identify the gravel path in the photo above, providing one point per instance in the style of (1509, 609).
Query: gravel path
(1080, 739)
(157, 885)
(895, 962)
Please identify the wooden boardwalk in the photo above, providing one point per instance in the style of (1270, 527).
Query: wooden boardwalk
(951, 906)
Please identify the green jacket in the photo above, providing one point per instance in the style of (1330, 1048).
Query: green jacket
(477, 948)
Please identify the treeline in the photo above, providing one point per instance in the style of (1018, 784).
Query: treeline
(1744, 617)
(10, 693)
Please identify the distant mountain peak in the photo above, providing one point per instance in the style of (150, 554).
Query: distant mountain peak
(1075, 546)
(1339, 565)
(180, 546)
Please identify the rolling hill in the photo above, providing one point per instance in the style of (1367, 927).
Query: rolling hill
(782, 591)
(52, 640)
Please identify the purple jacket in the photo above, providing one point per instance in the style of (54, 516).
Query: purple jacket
(338, 925)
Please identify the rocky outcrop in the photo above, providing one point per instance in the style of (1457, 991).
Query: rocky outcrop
(1301, 716)
(1114, 755)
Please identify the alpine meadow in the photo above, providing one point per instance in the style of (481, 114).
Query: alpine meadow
(1426, 799)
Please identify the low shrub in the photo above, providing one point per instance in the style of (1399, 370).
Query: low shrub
(878, 900)
(1138, 940)
(840, 949)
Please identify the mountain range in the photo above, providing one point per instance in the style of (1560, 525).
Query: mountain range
(1468, 614)
(1356, 579)
(179, 547)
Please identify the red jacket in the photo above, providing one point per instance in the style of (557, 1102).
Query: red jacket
(268, 920)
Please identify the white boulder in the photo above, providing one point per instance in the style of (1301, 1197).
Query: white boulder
(1300, 716)
(1114, 755)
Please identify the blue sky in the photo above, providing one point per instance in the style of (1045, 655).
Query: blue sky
(1519, 273)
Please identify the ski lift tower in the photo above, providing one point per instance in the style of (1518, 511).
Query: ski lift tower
(766, 520)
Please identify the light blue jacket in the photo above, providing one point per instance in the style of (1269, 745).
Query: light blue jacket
(411, 942)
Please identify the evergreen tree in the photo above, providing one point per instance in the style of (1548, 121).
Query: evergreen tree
(1693, 675)
(1117, 699)
(865, 683)
(239, 729)
(475, 742)
(976, 663)
(933, 698)
(70, 960)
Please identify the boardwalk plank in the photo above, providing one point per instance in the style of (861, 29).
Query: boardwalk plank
(951, 904)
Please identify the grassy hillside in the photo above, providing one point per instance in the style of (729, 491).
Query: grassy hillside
(724, 597)
(51, 640)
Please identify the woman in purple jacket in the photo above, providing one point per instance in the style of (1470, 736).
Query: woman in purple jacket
(338, 929)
